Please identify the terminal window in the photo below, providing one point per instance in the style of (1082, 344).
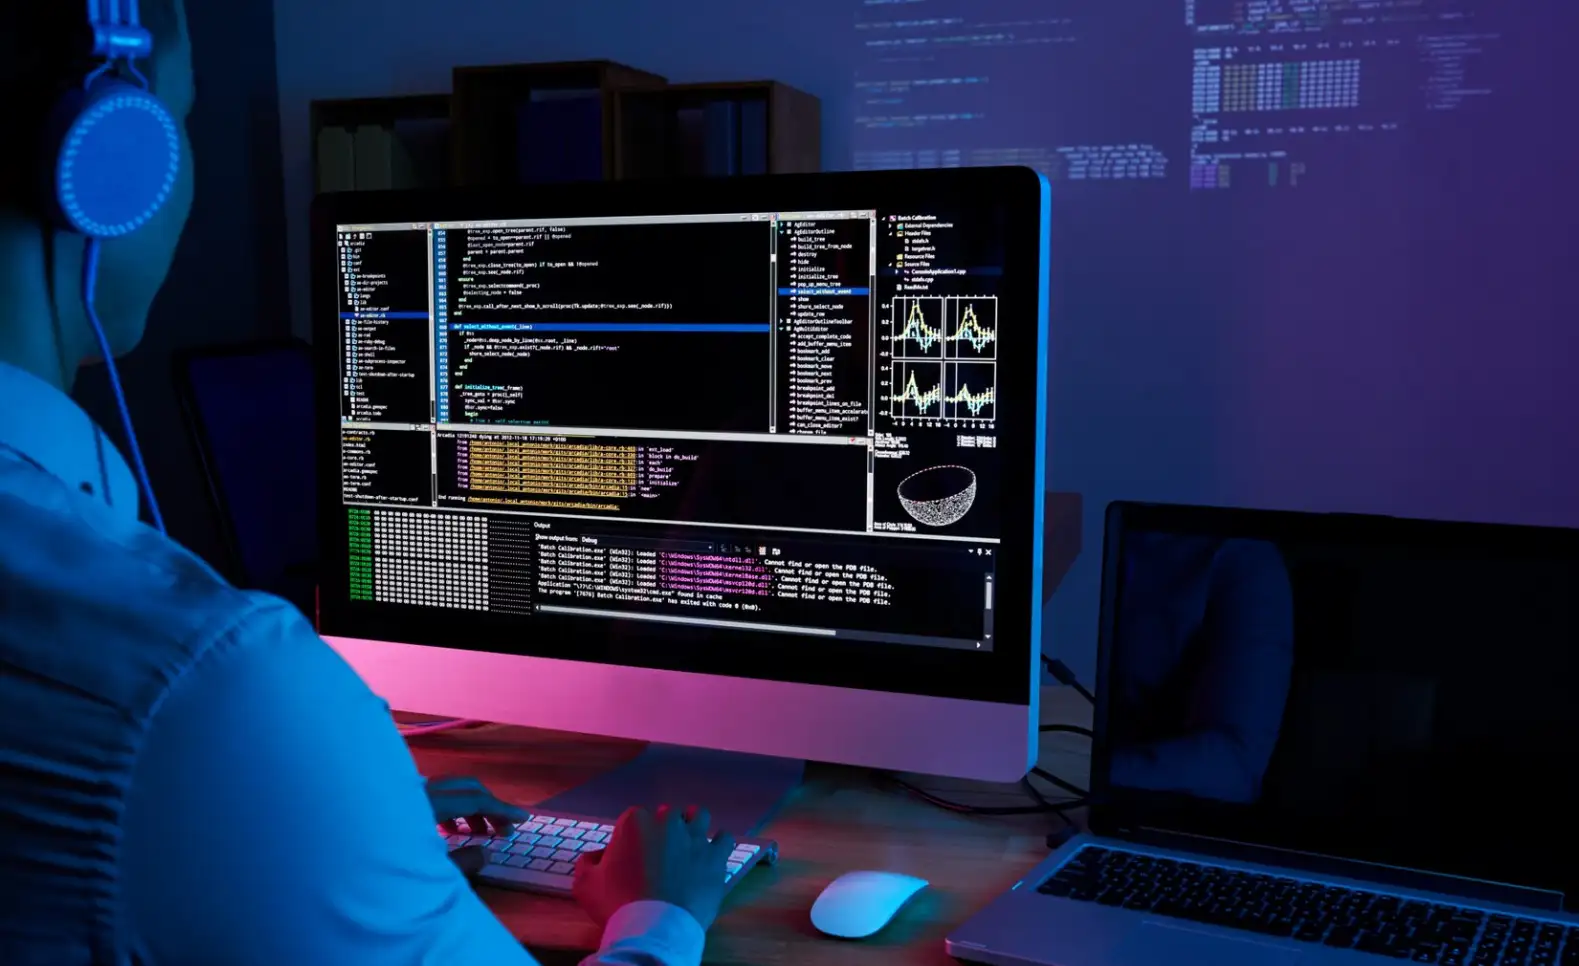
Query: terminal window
(779, 421)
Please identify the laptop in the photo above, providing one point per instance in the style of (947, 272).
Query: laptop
(1320, 739)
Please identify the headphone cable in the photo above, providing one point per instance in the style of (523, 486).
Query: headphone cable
(90, 278)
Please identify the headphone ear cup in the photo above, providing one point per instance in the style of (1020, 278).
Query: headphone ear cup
(113, 155)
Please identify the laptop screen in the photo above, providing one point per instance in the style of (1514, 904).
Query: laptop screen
(1396, 692)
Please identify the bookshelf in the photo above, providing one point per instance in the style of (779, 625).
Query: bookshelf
(375, 143)
(748, 127)
(559, 122)
(538, 123)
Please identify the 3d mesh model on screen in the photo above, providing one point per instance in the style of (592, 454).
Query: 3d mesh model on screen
(938, 496)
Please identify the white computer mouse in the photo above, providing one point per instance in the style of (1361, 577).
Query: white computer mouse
(858, 904)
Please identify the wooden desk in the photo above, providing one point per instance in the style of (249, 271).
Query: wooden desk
(840, 820)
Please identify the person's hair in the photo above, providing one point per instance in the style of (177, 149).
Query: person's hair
(45, 47)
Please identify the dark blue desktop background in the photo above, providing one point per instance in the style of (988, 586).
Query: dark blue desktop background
(1308, 254)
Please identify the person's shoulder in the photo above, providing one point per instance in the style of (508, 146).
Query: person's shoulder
(85, 571)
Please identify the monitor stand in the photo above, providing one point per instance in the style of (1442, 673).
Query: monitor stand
(741, 792)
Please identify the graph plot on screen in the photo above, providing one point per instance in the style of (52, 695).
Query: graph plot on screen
(944, 350)
(944, 326)
(972, 327)
(918, 327)
(916, 390)
(970, 392)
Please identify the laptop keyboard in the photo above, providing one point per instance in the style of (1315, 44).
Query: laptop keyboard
(1269, 905)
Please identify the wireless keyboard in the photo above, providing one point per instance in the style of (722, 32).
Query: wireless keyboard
(540, 855)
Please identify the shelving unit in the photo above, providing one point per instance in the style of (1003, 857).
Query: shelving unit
(560, 122)
(375, 143)
(748, 127)
(538, 123)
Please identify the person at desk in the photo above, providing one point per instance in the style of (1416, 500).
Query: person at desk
(188, 774)
(1202, 659)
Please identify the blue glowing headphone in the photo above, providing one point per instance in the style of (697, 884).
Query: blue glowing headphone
(114, 149)
(113, 153)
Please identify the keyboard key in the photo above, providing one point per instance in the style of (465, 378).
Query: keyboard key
(562, 868)
(565, 855)
(541, 865)
(541, 851)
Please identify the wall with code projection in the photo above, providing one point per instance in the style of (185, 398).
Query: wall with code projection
(1312, 254)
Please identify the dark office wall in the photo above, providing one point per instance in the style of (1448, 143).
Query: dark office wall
(1395, 331)
(229, 279)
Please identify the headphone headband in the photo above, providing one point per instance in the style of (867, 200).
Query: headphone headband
(117, 28)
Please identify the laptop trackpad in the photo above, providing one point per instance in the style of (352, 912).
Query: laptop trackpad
(1166, 944)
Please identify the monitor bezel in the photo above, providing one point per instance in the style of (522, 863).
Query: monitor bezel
(1006, 675)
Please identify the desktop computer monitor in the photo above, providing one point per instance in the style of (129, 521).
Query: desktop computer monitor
(751, 465)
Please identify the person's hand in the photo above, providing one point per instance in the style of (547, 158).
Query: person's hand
(665, 857)
(485, 814)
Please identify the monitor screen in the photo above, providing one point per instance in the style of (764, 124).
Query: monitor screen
(1393, 691)
(774, 429)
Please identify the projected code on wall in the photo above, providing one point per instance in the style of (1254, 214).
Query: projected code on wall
(948, 83)
(1281, 87)
(1273, 92)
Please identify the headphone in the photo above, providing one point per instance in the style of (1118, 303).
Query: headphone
(112, 155)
